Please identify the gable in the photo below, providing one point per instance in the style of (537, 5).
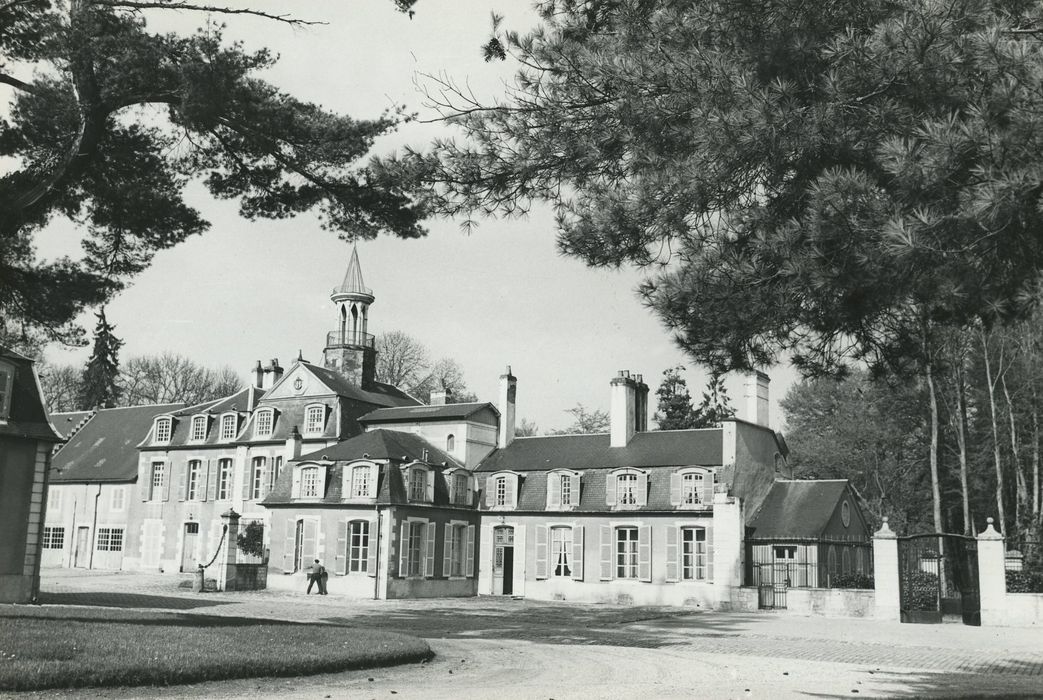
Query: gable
(299, 382)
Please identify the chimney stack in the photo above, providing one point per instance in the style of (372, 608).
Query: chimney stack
(441, 398)
(292, 449)
(757, 398)
(641, 417)
(508, 410)
(276, 371)
(258, 374)
(623, 409)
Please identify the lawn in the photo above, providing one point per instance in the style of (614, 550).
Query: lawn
(73, 647)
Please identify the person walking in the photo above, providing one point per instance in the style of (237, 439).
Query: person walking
(317, 575)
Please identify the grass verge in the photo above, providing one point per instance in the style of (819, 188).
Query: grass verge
(44, 648)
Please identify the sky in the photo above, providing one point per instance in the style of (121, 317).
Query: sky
(500, 295)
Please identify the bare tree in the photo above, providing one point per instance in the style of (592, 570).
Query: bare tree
(596, 421)
(172, 378)
(526, 428)
(61, 386)
(444, 375)
(402, 360)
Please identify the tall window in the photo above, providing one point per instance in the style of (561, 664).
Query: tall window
(119, 498)
(626, 489)
(415, 553)
(417, 484)
(457, 537)
(224, 479)
(264, 423)
(199, 428)
(156, 481)
(228, 427)
(561, 550)
(54, 538)
(162, 430)
(501, 491)
(6, 380)
(258, 472)
(54, 500)
(566, 489)
(691, 488)
(110, 539)
(626, 552)
(310, 482)
(693, 554)
(195, 467)
(360, 482)
(450, 443)
(314, 420)
(358, 546)
(460, 488)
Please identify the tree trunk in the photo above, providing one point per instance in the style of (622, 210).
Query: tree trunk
(1021, 482)
(1035, 458)
(936, 492)
(960, 421)
(1001, 515)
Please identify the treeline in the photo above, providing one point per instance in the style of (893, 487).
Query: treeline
(876, 431)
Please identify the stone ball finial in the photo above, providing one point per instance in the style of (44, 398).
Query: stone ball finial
(885, 530)
(990, 532)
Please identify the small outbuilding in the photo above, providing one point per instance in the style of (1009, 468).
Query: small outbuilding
(809, 534)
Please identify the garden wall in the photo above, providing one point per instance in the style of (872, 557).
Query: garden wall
(251, 577)
(831, 602)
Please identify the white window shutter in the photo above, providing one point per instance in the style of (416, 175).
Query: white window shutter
(429, 560)
(322, 482)
(642, 489)
(248, 482)
(210, 485)
(430, 477)
(553, 491)
(371, 547)
(709, 554)
(707, 488)
(541, 551)
(403, 549)
(310, 549)
(577, 552)
(167, 479)
(672, 549)
(606, 552)
(610, 489)
(144, 479)
(450, 484)
(469, 570)
(290, 544)
(469, 497)
(490, 491)
(447, 551)
(182, 482)
(575, 490)
(644, 553)
(675, 489)
(295, 489)
(340, 556)
(512, 490)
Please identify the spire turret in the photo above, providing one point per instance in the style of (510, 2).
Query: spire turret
(350, 348)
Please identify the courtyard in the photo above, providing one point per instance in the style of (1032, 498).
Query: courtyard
(507, 648)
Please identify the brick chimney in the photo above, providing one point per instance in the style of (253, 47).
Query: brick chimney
(622, 409)
(757, 398)
(441, 398)
(508, 409)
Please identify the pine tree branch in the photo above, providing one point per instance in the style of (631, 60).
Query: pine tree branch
(15, 82)
(179, 5)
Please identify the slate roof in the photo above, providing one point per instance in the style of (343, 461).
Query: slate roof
(798, 509)
(379, 394)
(68, 423)
(399, 447)
(105, 448)
(660, 448)
(452, 411)
(382, 444)
(28, 415)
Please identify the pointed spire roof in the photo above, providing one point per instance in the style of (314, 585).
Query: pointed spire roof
(353, 286)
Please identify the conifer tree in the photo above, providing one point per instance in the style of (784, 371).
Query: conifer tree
(675, 411)
(715, 406)
(100, 386)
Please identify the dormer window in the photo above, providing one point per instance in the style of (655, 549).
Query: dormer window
(361, 481)
(461, 492)
(163, 429)
(692, 488)
(450, 443)
(265, 422)
(229, 426)
(198, 428)
(310, 482)
(562, 490)
(314, 420)
(6, 382)
(501, 490)
(417, 484)
(626, 488)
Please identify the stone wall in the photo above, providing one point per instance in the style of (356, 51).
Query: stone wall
(251, 577)
(831, 602)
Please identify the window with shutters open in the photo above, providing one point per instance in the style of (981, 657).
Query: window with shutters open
(501, 491)
(258, 476)
(309, 482)
(693, 554)
(361, 485)
(157, 481)
(454, 561)
(416, 543)
(692, 488)
(626, 552)
(224, 479)
(626, 488)
(561, 551)
(358, 547)
(195, 477)
(418, 477)
(562, 490)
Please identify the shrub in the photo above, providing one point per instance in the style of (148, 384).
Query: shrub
(852, 580)
(1025, 581)
(251, 539)
(921, 589)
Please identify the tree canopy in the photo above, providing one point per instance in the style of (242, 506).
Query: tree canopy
(829, 180)
(108, 122)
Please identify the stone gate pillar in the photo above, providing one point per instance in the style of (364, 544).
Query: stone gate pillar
(885, 574)
(225, 563)
(992, 575)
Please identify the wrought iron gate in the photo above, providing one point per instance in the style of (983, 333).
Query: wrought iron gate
(772, 581)
(938, 576)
